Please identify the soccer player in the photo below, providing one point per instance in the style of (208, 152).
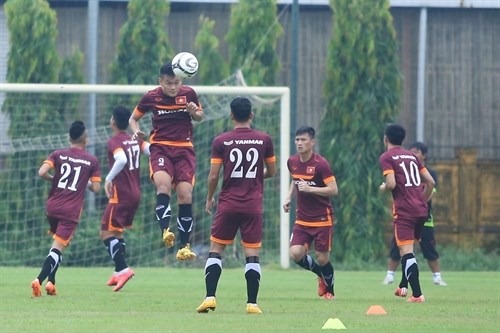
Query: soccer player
(313, 184)
(172, 160)
(123, 189)
(404, 175)
(247, 158)
(427, 241)
(74, 170)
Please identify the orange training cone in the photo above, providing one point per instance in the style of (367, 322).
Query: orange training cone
(376, 310)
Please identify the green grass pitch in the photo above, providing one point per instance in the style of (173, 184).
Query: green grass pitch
(165, 300)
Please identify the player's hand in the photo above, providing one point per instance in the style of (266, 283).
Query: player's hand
(138, 135)
(286, 206)
(382, 187)
(302, 186)
(209, 205)
(108, 188)
(192, 108)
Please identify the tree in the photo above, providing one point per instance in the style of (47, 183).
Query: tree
(253, 33)
(143, 46)
(213, 69)
(32, 58)
(362, 92)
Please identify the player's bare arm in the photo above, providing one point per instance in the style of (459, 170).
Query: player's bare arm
(429, 184)
(389, 184)
(94, 186)
(288, 200)
(212, 181)
(44, 172)
(330, 190)
(270, 170)
(134, 125)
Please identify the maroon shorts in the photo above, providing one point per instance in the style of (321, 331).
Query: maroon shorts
(118, 216)
(226, 225)
(322, 237)
(178, 162)
(62, 230)
(406, 230)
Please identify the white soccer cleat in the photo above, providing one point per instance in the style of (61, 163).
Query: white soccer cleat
(388, 279)
(440, 282)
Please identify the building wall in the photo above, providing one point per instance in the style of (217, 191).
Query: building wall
(462, 95)
(462, 105)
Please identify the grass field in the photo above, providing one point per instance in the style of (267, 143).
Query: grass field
(165, 299)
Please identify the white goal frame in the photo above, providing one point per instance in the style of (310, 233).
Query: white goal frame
(282, 92)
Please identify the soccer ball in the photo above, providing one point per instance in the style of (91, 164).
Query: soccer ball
(185, 65)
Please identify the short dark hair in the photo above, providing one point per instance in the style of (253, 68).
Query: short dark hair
(420, 146)
(76, 130)
(121, 116)
(395, 133)
(167, 70)
(306, 130)
(241, 108)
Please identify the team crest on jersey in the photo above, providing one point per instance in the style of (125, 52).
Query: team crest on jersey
(310, 169)
(157, 99)
(180, 100)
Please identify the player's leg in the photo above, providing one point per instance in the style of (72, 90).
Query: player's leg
(399, 235)
(251, 239)
(163, 212)
(323, 246)
(113, 240)
(111, 234)
(428, 246)
(222, 233)
(252, 276)
(405, 232)
(213, 271)
(184, 192)
(392, 262)
(161, 170)
(63, 232)
(184, 171)
(299, 252)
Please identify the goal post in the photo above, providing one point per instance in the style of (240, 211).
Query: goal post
(259, 96)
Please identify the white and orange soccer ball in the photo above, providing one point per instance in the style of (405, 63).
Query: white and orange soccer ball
(185, 65)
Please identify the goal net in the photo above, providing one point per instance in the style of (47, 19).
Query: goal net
(37, 117)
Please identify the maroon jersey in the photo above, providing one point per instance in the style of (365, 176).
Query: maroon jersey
(171, 121)
(73, 168)
(312, 210)
(243, 152)
(408, 196)
(126, 184)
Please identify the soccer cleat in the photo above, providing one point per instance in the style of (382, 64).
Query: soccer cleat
(440, 282)
(253, 309)
(401, 292)
(35, 286)
(328, 296)
(168, 238)
(50, 288)
(123, 278)
(185, 253)
(208, 304)
(388, 280)
(113, 280)
(321, 286)
(420, 299)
